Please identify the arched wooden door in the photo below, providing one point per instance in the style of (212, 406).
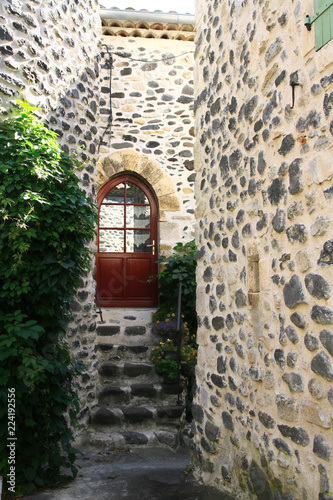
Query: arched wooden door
(127, 243)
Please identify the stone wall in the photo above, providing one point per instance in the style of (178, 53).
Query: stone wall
(49, 57)
(263, 410)
(152, 125)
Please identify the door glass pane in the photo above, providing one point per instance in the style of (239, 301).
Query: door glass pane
(111, 240)
(138, 241)
(135, 195)
(116, 195)
(137, 216)
(111, 216)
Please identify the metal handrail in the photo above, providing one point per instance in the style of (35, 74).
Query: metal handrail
(179, 337)
(99, 307)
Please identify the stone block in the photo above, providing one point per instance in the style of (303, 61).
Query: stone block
(282, 446)
(133, 331)
(170, 412)
(212, 431)
(134, 438)
(298, 319)
(227, 420)
(279, 220)
(143, 390)
(104, 416)
(313, 414)
(322, 315)
(168, 438)
(316, 389)
(318, 169)
(326, 338)
(266, 419)
(293, 292)
(137, 414)
(136, 370)
(317, 286)
(297, 434)
(109, 370)
(291, 334)
(321, 448)
(208, 447)
(287, 407)
(303, 259)
(260, 482)
(294, 381)
(321, 365)
(106, 330)
(311, 342)
(326, 255)
(297, 233)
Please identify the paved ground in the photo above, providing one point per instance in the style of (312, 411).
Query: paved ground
(139, 474)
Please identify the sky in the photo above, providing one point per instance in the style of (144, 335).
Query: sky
(180, 6)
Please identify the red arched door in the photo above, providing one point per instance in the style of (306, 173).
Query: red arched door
(127, 243)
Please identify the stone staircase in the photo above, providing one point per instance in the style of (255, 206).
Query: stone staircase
(135, 407)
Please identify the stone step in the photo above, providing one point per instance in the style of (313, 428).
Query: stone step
(114, 353)
(125, 335)
(128, 331)
(165, 438)
(139, 394)
(124, 317)
(138, 417)
(124, 373)
(136, 408)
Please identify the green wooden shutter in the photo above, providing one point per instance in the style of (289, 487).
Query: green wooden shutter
(323, 23)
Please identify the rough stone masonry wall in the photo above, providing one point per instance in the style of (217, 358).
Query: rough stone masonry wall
(263, 409)
(152, 127)
(49, 57)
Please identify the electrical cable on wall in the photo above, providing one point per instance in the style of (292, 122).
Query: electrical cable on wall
(153, 60)
(109, 125)
(124, 56)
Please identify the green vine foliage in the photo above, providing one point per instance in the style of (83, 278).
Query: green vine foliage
(46, 222)
(180, 266)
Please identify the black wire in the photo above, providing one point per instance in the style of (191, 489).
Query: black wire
(152, 60)
(119, 54)
(110, 119)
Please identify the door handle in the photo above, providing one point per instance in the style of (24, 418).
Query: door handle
(153, 247)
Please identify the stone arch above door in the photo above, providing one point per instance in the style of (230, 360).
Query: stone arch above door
(130, 161)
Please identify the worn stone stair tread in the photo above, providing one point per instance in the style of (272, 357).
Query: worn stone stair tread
(136, 414)
(131, 439)
(127, 317)
(125, 334)
(111, 352)
(111, 330)
(135, 349)
(136, 407)
(137, 394)
(143, 390)
(128, 369)
(126, 374)
(130, 340)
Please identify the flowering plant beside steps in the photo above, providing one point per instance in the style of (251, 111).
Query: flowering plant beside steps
(167, 328)
(164, 358)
